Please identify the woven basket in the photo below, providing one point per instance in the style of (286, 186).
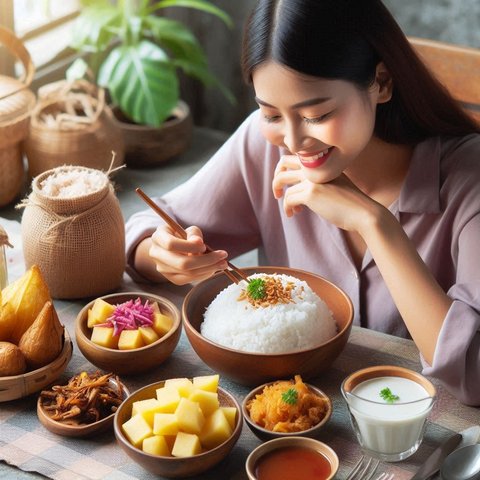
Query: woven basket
(19, 386)
(16, 105)
(72, 125)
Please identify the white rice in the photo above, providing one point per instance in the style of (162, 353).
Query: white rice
(73, 182)
(299, 325)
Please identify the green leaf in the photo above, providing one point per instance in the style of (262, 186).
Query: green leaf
(177, 38)
(290, 396)
(94, 28)
(142, 81)
(202, 5)
(78, 69)
(388, 396)
(256, 288)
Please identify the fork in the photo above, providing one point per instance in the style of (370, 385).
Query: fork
(365, 469)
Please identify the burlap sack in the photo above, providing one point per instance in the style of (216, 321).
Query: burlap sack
(78, 243)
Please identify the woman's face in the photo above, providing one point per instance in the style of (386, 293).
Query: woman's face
(326, 123)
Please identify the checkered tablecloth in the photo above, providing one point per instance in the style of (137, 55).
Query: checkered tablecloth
(27, 445)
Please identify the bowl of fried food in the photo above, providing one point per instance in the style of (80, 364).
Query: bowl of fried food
(86, 405)
(128, 333)
(35, 347)
(286, 408)
(179, 427)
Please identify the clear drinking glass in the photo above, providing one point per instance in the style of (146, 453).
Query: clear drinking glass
(388, 431)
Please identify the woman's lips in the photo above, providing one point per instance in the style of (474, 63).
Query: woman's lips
(315, 160)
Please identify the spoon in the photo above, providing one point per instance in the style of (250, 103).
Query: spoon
(462, 464)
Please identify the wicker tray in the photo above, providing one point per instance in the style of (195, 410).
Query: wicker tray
(18, 386)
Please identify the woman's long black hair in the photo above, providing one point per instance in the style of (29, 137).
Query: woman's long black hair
(346, 39)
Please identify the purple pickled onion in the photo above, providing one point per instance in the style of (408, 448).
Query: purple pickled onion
(130, 315)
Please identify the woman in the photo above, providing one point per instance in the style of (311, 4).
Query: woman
(374, 170)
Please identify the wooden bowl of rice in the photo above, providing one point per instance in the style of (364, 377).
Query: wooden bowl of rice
(257, 367)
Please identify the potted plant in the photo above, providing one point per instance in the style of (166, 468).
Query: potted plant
(136, 54)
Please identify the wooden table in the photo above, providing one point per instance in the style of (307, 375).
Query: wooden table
(26, 445)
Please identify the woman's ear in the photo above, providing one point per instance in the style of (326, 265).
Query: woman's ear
(384, 81)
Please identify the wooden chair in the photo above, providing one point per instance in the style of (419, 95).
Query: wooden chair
(457, 67)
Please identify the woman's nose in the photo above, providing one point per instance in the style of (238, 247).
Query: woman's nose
(295, 138)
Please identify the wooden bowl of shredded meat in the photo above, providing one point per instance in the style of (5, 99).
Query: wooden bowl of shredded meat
(84, 406)
(286, 408)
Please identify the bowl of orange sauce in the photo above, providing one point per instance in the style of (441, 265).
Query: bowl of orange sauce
(291, 458)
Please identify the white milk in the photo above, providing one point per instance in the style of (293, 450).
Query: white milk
(390, 428)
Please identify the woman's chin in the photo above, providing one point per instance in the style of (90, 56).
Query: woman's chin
(319, 175)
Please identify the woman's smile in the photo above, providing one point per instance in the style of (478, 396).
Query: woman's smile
(316, 159)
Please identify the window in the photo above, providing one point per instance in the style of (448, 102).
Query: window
(44, 26)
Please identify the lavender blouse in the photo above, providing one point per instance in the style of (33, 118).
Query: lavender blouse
(231, 200)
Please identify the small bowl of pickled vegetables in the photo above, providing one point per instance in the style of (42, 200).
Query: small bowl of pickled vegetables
(84, 406)
(128, 333)
(286, 408)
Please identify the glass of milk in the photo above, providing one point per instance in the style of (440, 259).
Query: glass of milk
(388, 408)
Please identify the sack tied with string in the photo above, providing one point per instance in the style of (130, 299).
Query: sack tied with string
(73, 229)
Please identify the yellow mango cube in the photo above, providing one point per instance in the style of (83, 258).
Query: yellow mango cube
(130, 339)
(149, 335)
(156, 445)
(165, 424)
(206, 382)
(189, 416)
(104, 337)
(99, 312)
(208, 401)
(162, 323)
(183, 385)
(168, 399)
(136, 430)
(231, 415)
(146, 408)
(186, 445)
(215, 431)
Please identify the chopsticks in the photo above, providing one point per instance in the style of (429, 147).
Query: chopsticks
(234, 274)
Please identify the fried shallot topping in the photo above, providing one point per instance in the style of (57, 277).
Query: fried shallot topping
(273, 293)
(84, 400)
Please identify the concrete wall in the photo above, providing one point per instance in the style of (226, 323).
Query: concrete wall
(455, 21)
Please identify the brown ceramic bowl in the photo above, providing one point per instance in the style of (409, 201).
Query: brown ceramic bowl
(250, 368)
(175, 467)
(265, 434)
(83, 430)
(128, 362)
(291, 442)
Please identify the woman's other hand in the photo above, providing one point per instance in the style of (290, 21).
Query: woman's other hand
(339, 201)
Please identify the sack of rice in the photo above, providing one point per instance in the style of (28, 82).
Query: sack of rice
(73, 229)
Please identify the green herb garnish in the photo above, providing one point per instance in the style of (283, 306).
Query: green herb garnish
(290, 396)
(388, 396)
(256, 289)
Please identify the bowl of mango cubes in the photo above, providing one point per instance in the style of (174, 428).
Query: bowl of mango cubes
(179, 427)
(128, 333)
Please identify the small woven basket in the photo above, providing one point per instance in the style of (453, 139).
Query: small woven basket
(72, 125)
(16, 105)
(19, 386)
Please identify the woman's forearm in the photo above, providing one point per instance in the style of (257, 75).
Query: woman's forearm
(420, 300)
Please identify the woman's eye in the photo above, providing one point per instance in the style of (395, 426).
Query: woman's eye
(271, 118)
(319, 119)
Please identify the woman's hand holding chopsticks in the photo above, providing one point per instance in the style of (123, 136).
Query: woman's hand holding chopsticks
(183, 261)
